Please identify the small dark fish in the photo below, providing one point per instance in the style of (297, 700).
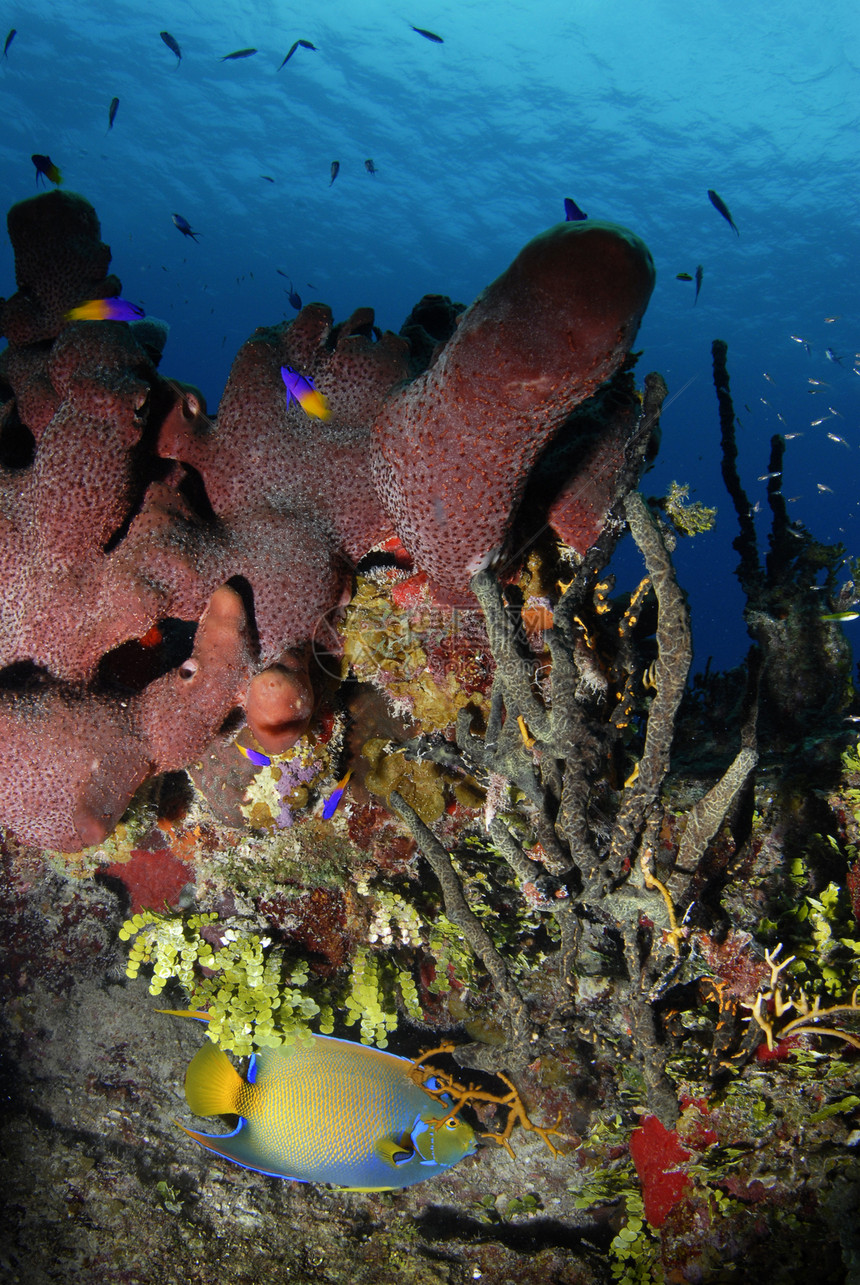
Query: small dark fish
(369, 166)
(12, 34)
(719, 204)
(184, 226)
(171, 45)
(683, 276)
(428, 35)
(112, 111)
(304, 44)
(700, 272)
(572, 212)
(335, 170)
(267, 177)
(295, 298)
(45, 168)
(237, 53)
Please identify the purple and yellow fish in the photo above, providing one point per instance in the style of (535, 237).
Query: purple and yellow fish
(105, 310)
(301, 389)
(333, 801)
(254, 756)
(45, 168)
(327, 1110)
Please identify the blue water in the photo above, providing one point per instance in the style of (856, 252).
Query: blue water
(633, 109)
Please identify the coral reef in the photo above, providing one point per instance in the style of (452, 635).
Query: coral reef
(624, 910)
(664, 961)
(129, 517)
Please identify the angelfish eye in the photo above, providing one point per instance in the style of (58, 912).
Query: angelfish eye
(451, 1124)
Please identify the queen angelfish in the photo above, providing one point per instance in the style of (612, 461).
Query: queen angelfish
(328, 1110)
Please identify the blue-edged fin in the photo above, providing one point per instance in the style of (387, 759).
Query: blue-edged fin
(393, 1153)
(212, 1083)
(237, 1146)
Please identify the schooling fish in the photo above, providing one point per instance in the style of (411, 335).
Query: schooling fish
(105, 310)
(112, 111)
(255, 757)
(237, 53)
(12, 34)
(428, 35)
(370, 167)
(184, 226)
(700, 272)
(303, 44)
(327, 1110)
(331, 804)
(301, 388)
(171, 45)
(719, 204)
(335, 170)
(45, 168)
(572, 212)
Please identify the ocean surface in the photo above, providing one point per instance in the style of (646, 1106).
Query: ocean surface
(632, 109)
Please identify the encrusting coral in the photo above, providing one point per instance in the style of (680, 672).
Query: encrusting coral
(129, 519)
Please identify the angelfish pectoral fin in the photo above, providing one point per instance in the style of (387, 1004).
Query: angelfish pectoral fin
(393, 1153)
(422, 1139)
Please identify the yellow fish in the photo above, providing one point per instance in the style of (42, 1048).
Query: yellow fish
(327, 1110)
